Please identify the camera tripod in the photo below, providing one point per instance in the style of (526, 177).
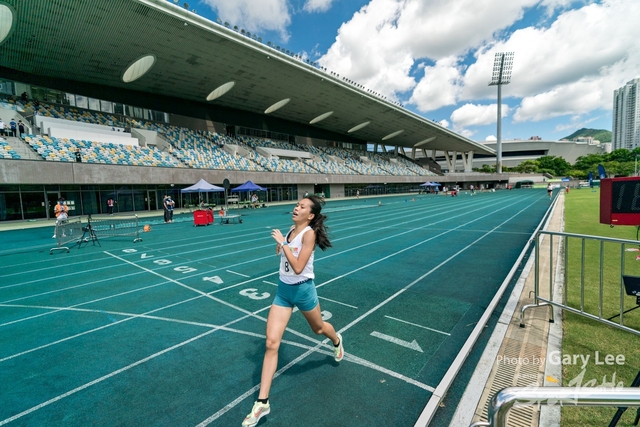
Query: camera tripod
(88, 234)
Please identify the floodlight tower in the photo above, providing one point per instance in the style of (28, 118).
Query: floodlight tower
(502, 66)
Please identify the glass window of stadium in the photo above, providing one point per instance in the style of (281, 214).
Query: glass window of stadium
(48, 95)
(10, 206)
(280, 193)
(6, 87)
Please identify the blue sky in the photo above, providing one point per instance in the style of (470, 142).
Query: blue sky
(436, 56)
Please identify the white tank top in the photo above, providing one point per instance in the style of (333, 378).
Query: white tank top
(287, 275)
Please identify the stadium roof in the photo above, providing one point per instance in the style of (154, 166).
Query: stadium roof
(112, 42)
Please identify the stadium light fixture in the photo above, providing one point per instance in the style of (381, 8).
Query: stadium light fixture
(358, 127)
(277, 106)
(502, 67)
(220, 90)
(425, 141)
(139, 68)
(391, 135)
(6, 22)
(321, 117)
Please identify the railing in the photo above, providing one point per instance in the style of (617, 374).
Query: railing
(601, 281)
(509, 397)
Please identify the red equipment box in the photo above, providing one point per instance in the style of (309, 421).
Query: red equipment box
(202, 217)
(620, 201)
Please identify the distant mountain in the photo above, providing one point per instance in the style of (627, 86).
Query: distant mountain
(601, 135)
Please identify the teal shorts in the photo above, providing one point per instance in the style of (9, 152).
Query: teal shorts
(303, 295)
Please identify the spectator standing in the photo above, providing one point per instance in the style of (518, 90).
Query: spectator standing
(13, 126)
(254, 200)
(165, 206)
(172, 205)
(169, 204)
(61, 212)
(20, 128)
(110, 204)
(1, 128)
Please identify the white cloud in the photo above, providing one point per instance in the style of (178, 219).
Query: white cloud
(574, 98)
(312, 6)
(380, 44)
(491, 138)
(444, 123)
(365, 50)
(467, 133)
(477, 115)
(576, 122)
(254, 16)
(571, 67)
(439, 86)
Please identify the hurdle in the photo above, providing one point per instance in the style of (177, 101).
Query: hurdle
(68, 230)
(116, 226)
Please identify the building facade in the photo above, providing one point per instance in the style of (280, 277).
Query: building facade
(626, 116)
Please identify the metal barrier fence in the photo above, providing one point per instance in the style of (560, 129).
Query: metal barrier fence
(68, 230)
(116, 226)
(506, 398)
(596, 290)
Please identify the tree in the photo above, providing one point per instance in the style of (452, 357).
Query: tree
(620, 155)
(546, 162)
(561, 166)
(586, 162)
(527, 166)
(577, 173)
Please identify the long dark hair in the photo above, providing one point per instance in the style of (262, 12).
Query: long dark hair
(317, 223)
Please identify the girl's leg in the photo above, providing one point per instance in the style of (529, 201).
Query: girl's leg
(276, 324)
(319, 326)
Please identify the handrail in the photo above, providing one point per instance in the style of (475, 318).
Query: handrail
(509, 397)
(550, 301)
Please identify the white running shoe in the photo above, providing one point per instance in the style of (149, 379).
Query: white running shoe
(259, 410)
(338, 352)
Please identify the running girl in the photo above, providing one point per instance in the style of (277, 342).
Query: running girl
(295, 288)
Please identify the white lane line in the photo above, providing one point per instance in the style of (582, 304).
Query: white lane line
(239, 274)
(338, 302)
(419, 326)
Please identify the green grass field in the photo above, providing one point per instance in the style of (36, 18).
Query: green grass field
(586, 337)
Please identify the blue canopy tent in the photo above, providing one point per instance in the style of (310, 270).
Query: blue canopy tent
(248, 186)
(430, 184)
